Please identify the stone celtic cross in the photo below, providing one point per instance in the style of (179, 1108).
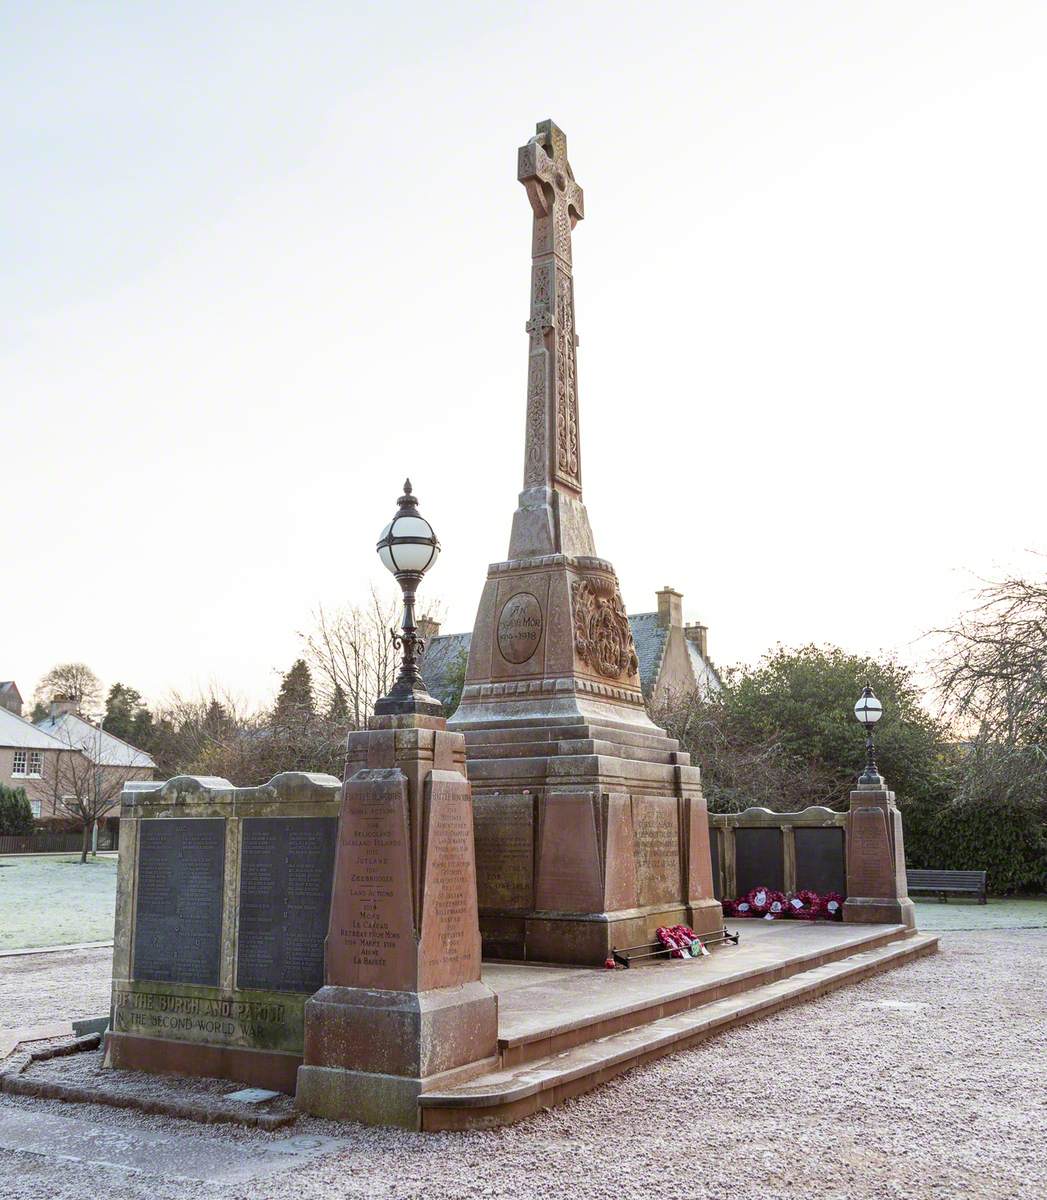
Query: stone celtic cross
(552, 456)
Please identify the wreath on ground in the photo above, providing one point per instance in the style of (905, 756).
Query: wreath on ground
(805, 905)
(802, 905)
(680, 940)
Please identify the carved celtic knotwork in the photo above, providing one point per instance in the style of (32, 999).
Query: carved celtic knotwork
(534, 472)
(603, 638)
(566, 394)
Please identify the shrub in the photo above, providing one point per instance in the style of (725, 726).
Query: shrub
(16, 815)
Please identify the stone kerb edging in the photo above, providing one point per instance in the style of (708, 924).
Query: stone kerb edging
(287, 786)
(816, 814)
(208, 1111)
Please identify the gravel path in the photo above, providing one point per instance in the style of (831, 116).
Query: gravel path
(927, 1082)
(38, 989)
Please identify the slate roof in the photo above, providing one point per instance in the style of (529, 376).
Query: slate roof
(440, 659)
(23, 735)
(704, 671)
(650, 638)
(99, 747)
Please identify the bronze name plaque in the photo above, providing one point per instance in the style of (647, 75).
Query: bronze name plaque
(519, 627)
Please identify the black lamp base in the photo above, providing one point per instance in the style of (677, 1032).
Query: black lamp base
(408, 696)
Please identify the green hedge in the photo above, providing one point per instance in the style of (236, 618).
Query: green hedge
(1006, 837)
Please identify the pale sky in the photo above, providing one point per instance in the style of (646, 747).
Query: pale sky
(261, 261)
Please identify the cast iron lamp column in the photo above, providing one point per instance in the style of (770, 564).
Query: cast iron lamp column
(408, 547)
(869, 710)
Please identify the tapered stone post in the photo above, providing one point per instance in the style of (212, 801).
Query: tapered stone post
(876, 886)
(403, 1009)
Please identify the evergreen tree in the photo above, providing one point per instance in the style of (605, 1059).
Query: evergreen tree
(126, 715)
(294, 701)
(338, 712)
(16, 815)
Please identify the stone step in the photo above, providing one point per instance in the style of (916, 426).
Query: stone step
(540, 1021)
(576, 746)
(615, 772)
(561, 731)
(509, 1094)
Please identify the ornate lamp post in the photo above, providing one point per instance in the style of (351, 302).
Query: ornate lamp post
(869, 710)
(408, 547)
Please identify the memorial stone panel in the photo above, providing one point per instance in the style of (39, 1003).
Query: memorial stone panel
(286, 873)
(178, 911)
(504, 831)
(820, 861)
(656, 829)
(758, 859)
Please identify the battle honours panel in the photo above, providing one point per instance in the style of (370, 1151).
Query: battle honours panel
(178, 920)
(286, 869)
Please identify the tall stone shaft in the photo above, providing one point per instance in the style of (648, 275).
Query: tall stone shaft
(551, 518)
(591, 829)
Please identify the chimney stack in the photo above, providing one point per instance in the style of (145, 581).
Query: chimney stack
(428, 628)
(61, 705)
(699, 634)
(670, 608)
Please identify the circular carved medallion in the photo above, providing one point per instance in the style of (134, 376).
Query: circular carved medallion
(519, 627)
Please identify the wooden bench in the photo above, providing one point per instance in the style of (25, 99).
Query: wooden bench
(944, 884)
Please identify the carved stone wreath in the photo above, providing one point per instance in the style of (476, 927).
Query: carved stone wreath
(603, 638)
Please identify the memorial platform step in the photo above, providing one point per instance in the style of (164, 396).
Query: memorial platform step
(583, 1052)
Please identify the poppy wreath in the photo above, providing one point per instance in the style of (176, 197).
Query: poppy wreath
(805, 905)
(765, 902)
(832, 906)
(680, 940)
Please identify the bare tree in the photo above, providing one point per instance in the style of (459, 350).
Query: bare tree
(84, 790)
(70, 681)
(992, 671)
(352, 649)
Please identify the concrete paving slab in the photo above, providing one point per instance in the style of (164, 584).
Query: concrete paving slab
(171, 1156)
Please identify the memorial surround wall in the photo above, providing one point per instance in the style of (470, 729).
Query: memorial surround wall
(223, 902)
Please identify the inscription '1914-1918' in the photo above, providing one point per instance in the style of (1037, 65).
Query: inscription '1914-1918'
(519, 627)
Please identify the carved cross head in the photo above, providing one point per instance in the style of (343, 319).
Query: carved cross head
(543, 169)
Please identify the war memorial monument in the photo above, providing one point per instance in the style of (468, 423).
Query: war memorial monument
(423, 943)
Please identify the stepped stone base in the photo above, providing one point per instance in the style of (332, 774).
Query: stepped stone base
(563, 1032)
(589, 833)
(380, 1050)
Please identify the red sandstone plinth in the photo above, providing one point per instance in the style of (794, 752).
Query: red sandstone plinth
(876, 885)
(403, 1009)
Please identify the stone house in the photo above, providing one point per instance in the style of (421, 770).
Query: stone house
(29, 759)
(62, 753)
(674, 657)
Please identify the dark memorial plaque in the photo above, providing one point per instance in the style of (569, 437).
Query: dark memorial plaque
(758, 859)
(178, 910)
(820, 863)
(714, 855)
(286, 874)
